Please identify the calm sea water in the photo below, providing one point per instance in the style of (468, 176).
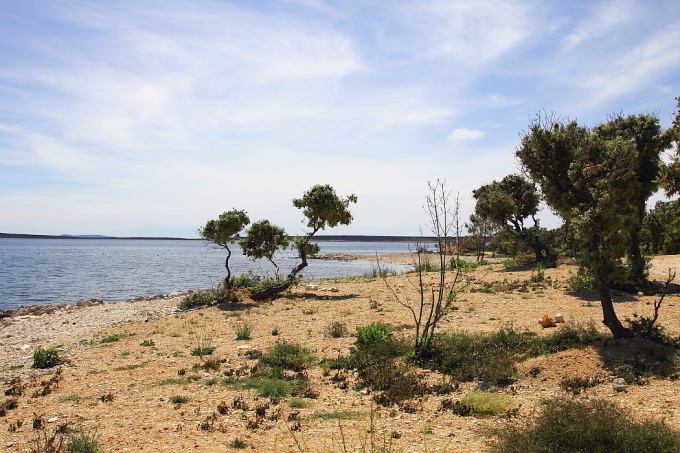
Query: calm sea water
(49, 271)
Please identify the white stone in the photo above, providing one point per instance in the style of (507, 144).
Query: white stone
(559, 317)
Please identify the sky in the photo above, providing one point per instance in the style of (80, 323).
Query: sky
(148, 118)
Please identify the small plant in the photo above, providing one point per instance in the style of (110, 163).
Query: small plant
(372, 333)
(113, 338)
(147, 343)
(485, 403)
(45, 358)
(537, 274)
(567, 425)
(237, 444)
(200, 298)
(201, 351)
(178, 399)
(580, 282)
(297, 403)
(287, 356)
(83, 442)
(336, 329)
(243, 330)
(577, 384)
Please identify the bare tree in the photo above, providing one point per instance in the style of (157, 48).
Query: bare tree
(435, 296)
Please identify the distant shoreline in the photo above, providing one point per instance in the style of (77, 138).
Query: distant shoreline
(327, 238)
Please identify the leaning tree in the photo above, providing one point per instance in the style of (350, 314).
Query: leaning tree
(224, 231)
(590, 181)
(322, 208)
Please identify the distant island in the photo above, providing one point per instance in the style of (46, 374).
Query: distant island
(328, 238)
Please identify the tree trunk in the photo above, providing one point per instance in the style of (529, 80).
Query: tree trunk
(272, 291)
(636, 261)
(609, 315)
(227, 280)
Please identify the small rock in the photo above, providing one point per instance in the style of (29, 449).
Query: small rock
(559, 317)
(619, 385)
(312, 287)
(640, 294)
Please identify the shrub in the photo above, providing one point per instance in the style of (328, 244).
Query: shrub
(201, 351)
(243, 330)
(336, 329)
(45, 358)
(178, 399)
(237, 444)
(287, 356)
(566, 425)
(200, 298)
(537, 274)
(485, 403)
(83, 442)
(372, 333)
(580, 282)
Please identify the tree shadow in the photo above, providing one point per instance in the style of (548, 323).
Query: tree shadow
(315, 296)
(637, 359)
(590, 295)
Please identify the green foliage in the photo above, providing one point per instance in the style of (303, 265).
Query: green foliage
(508, 204)
(580, 282)
(254, 283)
(202, 350)
(243, 330)
(490, 357)
(83, 442)
(372, 333)
(661, 228)
(201, 298)
(646, 327)
(45, 358)
(591, 182)
(113, 338)
(567, 425)
(287, 356)
(266, 387)
(263, 240)
(237, 444)
(178, 399)
(224, 230)
(336, 329)
(486, 403)
(323, 207)
(305, 248)
(537, 274)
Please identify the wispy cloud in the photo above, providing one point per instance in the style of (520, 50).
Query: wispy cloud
(140, 117)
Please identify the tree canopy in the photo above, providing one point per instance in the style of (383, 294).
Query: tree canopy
(508, 204)
(263, 240)
(224, 231)
(590, 181)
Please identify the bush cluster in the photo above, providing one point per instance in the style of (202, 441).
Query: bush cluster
(45, 358)
(568, 425)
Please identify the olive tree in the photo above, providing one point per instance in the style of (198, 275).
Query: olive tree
(263, 240)
(670, 173)
(322, 208)
(508, 204)
(649, 141)
(590, 181)
(224, 231)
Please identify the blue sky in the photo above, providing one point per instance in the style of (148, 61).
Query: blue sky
(144, 118)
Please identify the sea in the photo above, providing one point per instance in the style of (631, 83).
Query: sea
(51, 271)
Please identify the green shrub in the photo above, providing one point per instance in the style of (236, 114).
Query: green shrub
(491, 357)
(255, 283)
(83, 442)
(537, 274)
(45, 358)
(457, 263)
(113, 338)
(580, 282)
(201, 351)
(287, 356)
(567, 425)
(485, 403)
(178, 399)
(201, 298)
(336, 329)
(372, 333)
(243, 330)
(237, 444)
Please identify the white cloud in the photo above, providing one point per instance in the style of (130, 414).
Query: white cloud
(465, 134)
